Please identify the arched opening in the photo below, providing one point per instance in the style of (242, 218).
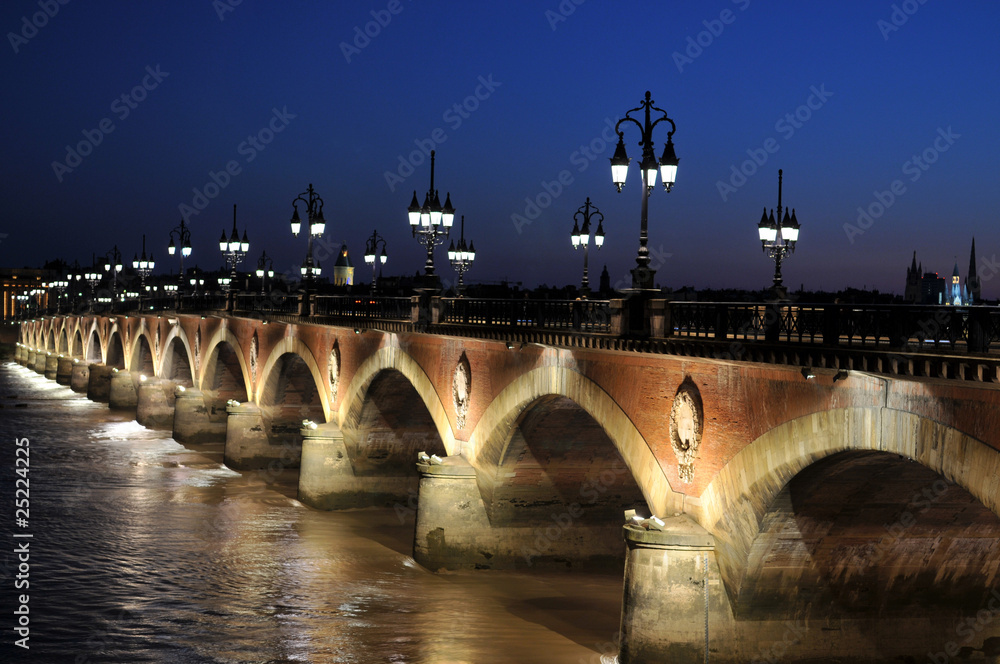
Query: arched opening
(142, 357)
(50, 341)
(393, 426)
(116, 351)
(560, 468)
(290, 396)
(94, 348)
(176, 366)
(223, 374)
(885, 548)
(78, 344)
(63, 342)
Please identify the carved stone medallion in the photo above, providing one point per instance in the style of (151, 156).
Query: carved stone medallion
(334, 371)
(686, 421)
(461, 390)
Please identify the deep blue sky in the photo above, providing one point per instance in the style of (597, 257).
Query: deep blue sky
(890, 94)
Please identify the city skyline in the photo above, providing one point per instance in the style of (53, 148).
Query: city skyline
(878, 113)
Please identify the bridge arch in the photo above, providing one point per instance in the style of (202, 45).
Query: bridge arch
(95, 350)
(77, 350)
(224, 367)
(141, 357)
(295, 347)
(50, 341)
(492, 435)
(395, 358)
(177, 361)
(734, 504)
(114, 353)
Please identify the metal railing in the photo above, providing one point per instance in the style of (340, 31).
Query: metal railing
(363, 307)
(577, 315)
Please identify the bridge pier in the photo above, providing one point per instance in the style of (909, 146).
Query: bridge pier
(453, 530)
(80, 377)
(195, 421)
(674, 601)
(64, 370)
(155, 403)
(248, 445)
(40, 358)
(327, 480)
(51, 366)
(99, 382)
(17, 353)
(124, 391)
(28, 358)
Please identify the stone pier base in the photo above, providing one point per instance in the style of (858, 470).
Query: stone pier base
(51, 366)
(124, 393)
(28, 359)
(155, 405)
(248, 444)
(99, 382)
(40, 358)
(18, 353)
(64, 370)
(674, 601)
(196, 419)
(327, 480)
(80, 378)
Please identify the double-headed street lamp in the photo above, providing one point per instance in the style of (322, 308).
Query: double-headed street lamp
(143, 265)
(265, 270)
(777, 240)
(113, 261)
(373, 258)
(234, 250)
(430, 223)
(581, 237)
(642, 276)
(183, 234)
(316, 226)
(461, 258)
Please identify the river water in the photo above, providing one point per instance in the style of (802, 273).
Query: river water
(145, 550)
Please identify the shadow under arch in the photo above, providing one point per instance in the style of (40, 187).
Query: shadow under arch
(732, 507)
(208, 377)
(95, 344)
(77, 350)
(492, 435)
(177, 361)
(115, 352)
(50, 341)
(293, 346)
(63, 346)
(393, 357)
(141, 357)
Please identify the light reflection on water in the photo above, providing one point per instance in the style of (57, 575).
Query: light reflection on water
(149, 551)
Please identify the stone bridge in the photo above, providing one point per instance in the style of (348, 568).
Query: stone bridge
(801, 512)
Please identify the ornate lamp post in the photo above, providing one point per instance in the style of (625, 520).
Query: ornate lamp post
(143, 265)
(183, 234)
(234, 250)
(430, 223)
(461, 258)
(265, 270)
(777, 240)
(373, 258)
(642, 276)
(581, 237)
(113, 261)
(316, 227)
(60, 286)
(93, 278)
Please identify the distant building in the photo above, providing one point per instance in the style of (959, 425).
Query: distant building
(343, 271)
(928, 288)
(21, 281)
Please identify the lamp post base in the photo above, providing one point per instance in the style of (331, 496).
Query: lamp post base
(642, 278)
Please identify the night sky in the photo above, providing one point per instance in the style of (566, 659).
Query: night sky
(512, 95)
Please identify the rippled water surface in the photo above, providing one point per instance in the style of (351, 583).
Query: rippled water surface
(145, 550)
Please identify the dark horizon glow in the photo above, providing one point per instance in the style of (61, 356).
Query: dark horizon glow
(858, 102)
